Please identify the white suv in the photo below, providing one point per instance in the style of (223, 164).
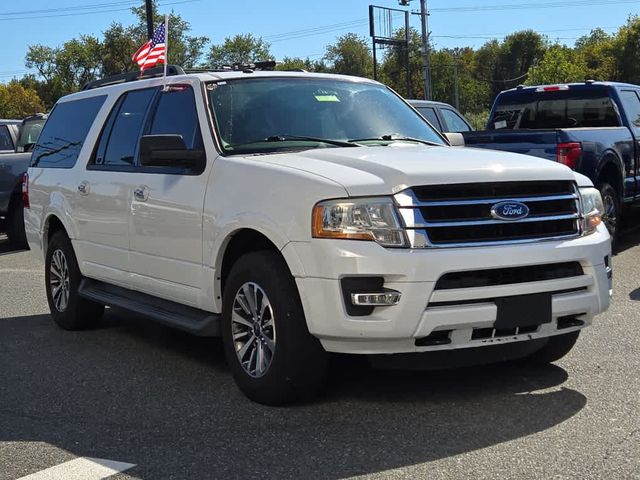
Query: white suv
(297, 214)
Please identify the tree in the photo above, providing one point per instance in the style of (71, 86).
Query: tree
(288, 63)
(626, 51)
(17, 101)
(393, 70)
(597, 52)
(241, 48)
(350, 55)
(560, 64)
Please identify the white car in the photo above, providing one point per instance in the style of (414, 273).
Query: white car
(299, 214)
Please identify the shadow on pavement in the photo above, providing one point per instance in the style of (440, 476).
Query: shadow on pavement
(137, 392)
(6, 247)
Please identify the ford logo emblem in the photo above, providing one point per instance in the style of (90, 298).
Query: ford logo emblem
(509, 211)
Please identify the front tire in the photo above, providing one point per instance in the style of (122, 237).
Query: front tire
(62, 280)
(272, 356)
(556, 347)
(611, 214)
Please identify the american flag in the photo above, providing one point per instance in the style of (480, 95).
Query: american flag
(153, 52)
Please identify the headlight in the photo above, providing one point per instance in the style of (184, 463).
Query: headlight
(373, 219)
(592, 209)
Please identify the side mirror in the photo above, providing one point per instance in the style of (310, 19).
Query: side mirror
(455, 139)
(169, 151)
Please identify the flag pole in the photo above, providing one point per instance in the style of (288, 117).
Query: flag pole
(166, 48)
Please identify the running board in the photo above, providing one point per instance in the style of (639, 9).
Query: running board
(182, 317)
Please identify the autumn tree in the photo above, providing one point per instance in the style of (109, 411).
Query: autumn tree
(560, 64)
(16, 101)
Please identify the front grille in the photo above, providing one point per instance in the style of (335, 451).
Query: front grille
(508, 276)
(460, 214)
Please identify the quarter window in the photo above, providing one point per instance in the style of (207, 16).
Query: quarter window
(64, 133)
(5, 138)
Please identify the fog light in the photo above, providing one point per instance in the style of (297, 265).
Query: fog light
(378, 299)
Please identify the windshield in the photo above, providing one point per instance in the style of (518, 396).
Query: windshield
(30, 132)
(265, 114)
(562, 109)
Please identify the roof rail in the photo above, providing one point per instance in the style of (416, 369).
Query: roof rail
(133, 76)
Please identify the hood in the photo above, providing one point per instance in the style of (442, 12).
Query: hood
(389, 169)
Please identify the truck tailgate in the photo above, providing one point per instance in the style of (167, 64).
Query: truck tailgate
(539, 143)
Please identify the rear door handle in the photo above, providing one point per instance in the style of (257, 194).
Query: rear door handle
(83, 188)
(141, 193)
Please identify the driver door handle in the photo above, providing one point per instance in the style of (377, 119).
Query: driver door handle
(141, 193)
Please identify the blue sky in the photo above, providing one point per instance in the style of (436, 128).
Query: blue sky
(20, 25)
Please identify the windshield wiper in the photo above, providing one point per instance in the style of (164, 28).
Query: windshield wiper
(397, 138)
(328, 141)
(285, 137)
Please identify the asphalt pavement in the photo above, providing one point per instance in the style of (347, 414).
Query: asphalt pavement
(136, 392)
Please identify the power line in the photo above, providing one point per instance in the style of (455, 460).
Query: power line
(103, 8)
(530, 6)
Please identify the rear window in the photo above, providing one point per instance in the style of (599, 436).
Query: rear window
(561, 109)
(64, 133)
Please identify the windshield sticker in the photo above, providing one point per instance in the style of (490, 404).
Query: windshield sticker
(327, 98)
(500, 124)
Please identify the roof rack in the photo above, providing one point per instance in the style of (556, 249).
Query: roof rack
(237, 67)
(133, 76)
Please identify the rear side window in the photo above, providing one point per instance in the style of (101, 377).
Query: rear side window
(119, 139)
(176, 114)
(454, 121)
(430, 114)
(5, 138)
(632, 106)
(65, 132)
(561, 109)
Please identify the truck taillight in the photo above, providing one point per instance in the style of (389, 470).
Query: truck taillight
(569, 154)
(25, 190)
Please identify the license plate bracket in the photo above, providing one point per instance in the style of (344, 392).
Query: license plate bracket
(523, 310)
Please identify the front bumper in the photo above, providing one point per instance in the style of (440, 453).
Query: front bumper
(319, 265)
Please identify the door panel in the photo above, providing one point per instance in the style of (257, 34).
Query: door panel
(166, 211)
(104, 194)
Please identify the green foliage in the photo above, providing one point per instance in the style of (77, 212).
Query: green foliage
(16, 101)
(241, 48)
(626, 50)
(350, 56)
(288, 63)
(560, 64)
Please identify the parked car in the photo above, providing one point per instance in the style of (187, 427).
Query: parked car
(13, 166)
(592, 127)
(300, 214)
(442, 116)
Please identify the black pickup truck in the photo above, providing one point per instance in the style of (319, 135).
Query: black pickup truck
(13, 165)
(592, 127)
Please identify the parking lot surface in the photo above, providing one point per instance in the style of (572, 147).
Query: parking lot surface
(164, 403)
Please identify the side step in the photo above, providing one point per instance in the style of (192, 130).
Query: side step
(182, 317)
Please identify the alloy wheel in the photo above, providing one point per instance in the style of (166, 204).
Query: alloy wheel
(253, 329)
(59, 280)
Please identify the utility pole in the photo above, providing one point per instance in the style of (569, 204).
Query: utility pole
(456, 85)
(149, 7)
(426, 54)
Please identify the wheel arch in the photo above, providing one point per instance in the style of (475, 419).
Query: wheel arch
(52, 224)
(238, 243)
(611, 171)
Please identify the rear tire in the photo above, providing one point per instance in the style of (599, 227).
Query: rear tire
(62, 280)
(612, 213)
(15, 224)
(556, 348)
(272, 356)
